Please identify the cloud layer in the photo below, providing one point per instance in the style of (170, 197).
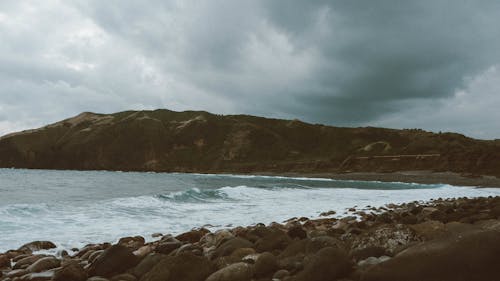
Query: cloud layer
(428, 64)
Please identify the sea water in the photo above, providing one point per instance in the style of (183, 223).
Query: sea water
(73, 208)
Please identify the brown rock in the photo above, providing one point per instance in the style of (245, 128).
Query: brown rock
(229, 246)
(124, 277)
(4, 261)
(275, 240)
(147, 264)
(167, 247)
(429, 230)
(39, 276)
(238, 271)
(44, 264)
(265, 265)
(192, 236)
(133, 243)
(112, 261)
(25, 262)
(471, 256)
(184, 267)
(71, 271)
(37, 246)
(297, 231)
(327, 264)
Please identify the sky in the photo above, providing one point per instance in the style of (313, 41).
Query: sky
(429, 64)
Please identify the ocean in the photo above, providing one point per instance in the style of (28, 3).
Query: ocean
(73, 208)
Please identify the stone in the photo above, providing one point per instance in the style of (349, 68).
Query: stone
(327, 264)
(228, 247)
(37, 246)
(112, 261)
(25, 262)
(318, 243)
(281, 274)
(265, 265)
(133, 243)
(44, 264)
(167, 247)
(97, 278)
(297, 232)
(38, 276)
(4, 261)
(184, 267)
(275, 240)
(238, 271)
(370, 251)
(192, 236)
(71, 271)
(124, 277)
(429, 230)
(470, 256)
(147, 264)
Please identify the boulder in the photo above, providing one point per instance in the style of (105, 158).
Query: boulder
(37, 246)
(238, 271)
(297, 232)
(44, 264)
(192, 236)
(184, 267)
(147, 264)
(25, 262)
(275, 240)
(167, 247)
(71, 271)
(124, 277)
(229, 246)
(265, 265)
(429, 230)
(38, 276)
(112, 261)
(4, 261)
(470, 256)
(133, 243)
(318, 243)
(327, 264)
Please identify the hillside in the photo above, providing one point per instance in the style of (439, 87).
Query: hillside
(197, 141)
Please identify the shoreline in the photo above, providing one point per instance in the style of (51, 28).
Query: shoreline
(422, 177)
(445, 239)
(417, 176)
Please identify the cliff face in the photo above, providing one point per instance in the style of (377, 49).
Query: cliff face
(191, 141)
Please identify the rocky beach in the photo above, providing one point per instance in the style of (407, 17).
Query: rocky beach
(443, 239)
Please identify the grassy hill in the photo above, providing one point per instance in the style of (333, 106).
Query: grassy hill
(198, 141)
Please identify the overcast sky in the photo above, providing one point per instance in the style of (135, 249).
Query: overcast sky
(403, 64)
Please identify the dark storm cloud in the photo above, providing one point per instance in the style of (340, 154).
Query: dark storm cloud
(336, 62)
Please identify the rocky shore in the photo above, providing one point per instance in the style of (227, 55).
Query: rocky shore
(452, 239)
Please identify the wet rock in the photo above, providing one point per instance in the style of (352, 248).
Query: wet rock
(39, 276)
(429, 230)
(281, 274)
(133, 243)
(318, 243)
(112, 261)
(97, 278)
(370, 261)
(275, 240)
(147, 264)
(143, 251)
(265, 265)
(393, 238)
(167, 247)
(327, 264)
(27, 261)
(370, 251)
(44, 264)
(124, 277)
(231, 245)
(71, 271)
(472, 256)
(16, 273)
(4, 261)
(297, 232)
(192, 236)
(239, 271)
(37, 246)
(185, 267)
